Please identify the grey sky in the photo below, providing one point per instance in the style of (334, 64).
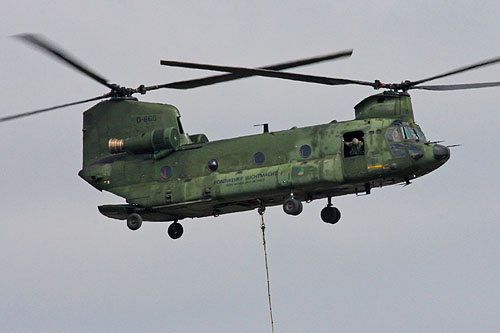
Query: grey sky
(412, 259)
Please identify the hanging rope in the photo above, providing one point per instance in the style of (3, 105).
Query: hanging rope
(263, 228)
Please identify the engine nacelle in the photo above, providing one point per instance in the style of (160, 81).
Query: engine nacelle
(154, 141)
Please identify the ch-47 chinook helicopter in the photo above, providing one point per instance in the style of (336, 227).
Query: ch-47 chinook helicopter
(140, 151)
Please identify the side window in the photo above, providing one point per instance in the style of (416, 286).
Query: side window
(305, 151)
(166, 172)
(259, 158)
(354, 144)
(393, 134)
(213, 164)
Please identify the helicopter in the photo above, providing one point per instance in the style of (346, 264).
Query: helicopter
(141, 152)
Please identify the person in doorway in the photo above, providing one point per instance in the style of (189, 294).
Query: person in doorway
(356, 146)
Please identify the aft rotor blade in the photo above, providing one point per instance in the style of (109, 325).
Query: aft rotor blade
(455, 71)
(31, 113)
(445, 87)
(268, 73)
(58, 53)
(188, 84)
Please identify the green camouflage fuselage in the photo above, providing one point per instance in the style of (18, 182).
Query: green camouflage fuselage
(172, 183)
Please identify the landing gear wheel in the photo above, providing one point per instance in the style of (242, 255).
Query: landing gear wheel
(330, 214)
(175, 230)
(292, 206)
(134, 221)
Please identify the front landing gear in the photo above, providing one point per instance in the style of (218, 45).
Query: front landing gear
(175, 230)
(134, 221)
(292, 206)
(330, 214)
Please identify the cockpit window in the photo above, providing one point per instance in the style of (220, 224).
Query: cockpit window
(420, 135)
(408, 133)
(398, 149)
(393, 134)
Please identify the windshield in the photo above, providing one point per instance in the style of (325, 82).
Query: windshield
(408, 133)
(411, 132)
(420, 135)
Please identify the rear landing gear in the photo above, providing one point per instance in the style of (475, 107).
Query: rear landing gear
(330, 214)
(175, 230)
(292, 206)
(134, 221)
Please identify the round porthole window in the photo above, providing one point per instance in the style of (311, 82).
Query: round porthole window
(213, 164)
(305, 151)
(259, 158)
(166, 172)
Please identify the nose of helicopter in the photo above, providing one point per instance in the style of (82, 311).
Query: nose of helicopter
(441, 153)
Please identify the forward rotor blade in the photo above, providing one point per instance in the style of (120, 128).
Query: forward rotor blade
(455, 71)
(31, 113)
(188, 84)
(58, 53)
(445, 87)
(308, 61)
(268, 73)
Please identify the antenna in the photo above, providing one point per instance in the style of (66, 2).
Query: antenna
(265, 126)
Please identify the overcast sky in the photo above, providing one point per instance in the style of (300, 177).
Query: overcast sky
(421, 258)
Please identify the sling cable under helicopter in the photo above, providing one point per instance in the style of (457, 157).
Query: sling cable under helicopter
(261, 211)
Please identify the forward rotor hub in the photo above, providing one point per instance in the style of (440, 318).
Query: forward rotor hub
(403, 86)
